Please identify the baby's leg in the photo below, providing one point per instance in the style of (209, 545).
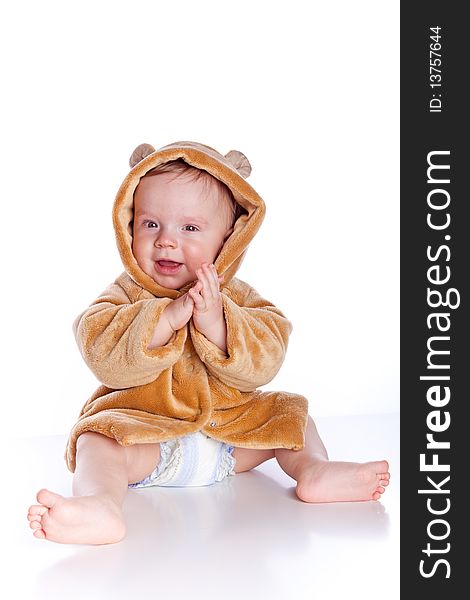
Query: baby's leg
(249, 458)
(93, 515)
(321, 480)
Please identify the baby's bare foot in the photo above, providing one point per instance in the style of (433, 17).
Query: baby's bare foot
(325, 481)
(76, 520)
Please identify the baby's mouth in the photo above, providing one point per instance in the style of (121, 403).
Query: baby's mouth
(167, 267)
(168, 263)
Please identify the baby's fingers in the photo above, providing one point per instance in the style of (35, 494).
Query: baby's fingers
(208, 275)
(196, 296)
(187, 299)
(213, 276)
(197, 287)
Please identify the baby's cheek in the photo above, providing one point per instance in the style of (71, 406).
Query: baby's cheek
(195, 257)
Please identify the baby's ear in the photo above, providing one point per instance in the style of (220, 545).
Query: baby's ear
(140, 153)
(240, 162)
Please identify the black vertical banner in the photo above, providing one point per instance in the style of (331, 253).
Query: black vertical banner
(435, 269)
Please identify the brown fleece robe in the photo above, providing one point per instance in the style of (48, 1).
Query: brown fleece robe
(189, 384)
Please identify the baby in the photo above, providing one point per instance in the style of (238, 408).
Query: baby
(181, 346)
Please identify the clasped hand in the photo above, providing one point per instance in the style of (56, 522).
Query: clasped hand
(202, 302)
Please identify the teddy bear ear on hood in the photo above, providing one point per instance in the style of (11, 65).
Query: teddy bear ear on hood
(240, 162)
(235, 159)
(141, 152)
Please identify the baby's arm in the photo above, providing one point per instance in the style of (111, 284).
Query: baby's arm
(114, 336)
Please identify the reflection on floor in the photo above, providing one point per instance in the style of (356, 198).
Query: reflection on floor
(248, 536)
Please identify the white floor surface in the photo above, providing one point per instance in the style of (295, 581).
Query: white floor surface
(247, 537)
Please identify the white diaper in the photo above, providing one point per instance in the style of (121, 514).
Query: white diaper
(192, 460)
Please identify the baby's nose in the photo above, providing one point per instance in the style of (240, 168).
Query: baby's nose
(166, 241)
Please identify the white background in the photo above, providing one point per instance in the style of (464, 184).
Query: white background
(307, 90)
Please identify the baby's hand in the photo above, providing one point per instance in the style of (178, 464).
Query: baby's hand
(179, 311)
(206, 297)
(208, 314)
(174, 317)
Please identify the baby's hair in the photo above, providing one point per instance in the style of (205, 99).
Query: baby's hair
(180, 168)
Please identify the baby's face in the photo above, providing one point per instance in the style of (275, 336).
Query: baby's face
(178, 225)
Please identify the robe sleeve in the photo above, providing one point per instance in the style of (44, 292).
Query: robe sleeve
(113, 335)
(257, 338)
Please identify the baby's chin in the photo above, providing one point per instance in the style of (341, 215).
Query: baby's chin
(172, 283)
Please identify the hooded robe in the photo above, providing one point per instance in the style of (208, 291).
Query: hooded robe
(189, 384)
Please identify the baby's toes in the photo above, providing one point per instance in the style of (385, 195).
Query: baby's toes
(39, 533)
(384, 482)
(37, 510)
(35, 515)
(34, 519)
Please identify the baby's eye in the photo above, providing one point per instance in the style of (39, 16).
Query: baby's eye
(150, 224)
(190, 228)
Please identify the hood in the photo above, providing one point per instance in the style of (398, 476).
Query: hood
(231, 169)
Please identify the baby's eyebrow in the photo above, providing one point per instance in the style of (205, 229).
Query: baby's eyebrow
(199, 220)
